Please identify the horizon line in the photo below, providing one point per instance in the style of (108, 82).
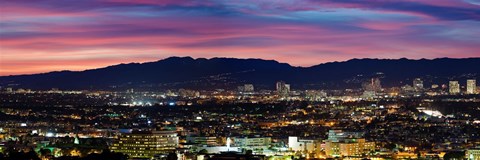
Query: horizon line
(197, 58)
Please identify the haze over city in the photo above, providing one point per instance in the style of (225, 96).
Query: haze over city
(45, 36)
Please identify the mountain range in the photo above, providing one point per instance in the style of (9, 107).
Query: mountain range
(201, 73)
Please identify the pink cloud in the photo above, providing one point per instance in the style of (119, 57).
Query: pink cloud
(41, 38)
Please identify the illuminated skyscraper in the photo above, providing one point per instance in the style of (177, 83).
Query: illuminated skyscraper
(418, 84)
(471, 86)
(283, 88)
(454, 87)
(249, 88)
(279, 85)
(372, 85)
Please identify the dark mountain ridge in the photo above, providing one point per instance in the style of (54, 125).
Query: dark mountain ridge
(201, 73)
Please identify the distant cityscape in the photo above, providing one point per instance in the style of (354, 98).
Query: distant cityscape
(413, 121)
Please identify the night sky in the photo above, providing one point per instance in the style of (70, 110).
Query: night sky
(47, 35)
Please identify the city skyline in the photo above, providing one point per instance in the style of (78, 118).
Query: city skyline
(49, 36)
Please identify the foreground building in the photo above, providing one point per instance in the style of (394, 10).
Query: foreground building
(208, 141)
(347, 144)
(146, 144)
(349, 148)
(255, 143)
(304, 145)
(473, 154)
(283, 89)
(252, 141)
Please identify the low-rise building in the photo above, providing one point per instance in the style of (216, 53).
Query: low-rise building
(473, 153)
(252, 141)
(146, 144)
(304, 145)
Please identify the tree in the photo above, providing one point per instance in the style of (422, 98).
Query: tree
(453, 155)
(45, 152)
(172, 156)
(106, 154)
(203, 151)
(249, 152)
(391, 146)
(22, 155)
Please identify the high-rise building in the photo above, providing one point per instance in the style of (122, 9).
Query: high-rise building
(287, 88)
(282, 88)
(372, 84)
(279, 85)
(248, 88)
(418, 84)
(315, 95)
(146, 144)
(454, 87)
(471, 86)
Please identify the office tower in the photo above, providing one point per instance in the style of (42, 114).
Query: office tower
(454, 87)
(418, 84)
(471, 86)
(283, 88)
(287, 88)
(248, 88)
(241, 88)
(146, 144)
(372, 84)
(280, 85)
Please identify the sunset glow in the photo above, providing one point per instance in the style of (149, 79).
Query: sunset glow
(43, 36)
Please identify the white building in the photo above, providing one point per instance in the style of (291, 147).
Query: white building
(471, 86)
(473, 154)
(283, 88)
(418, 84)
(454, 87)
(252, 141)
(249, 88)
(304, 145)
